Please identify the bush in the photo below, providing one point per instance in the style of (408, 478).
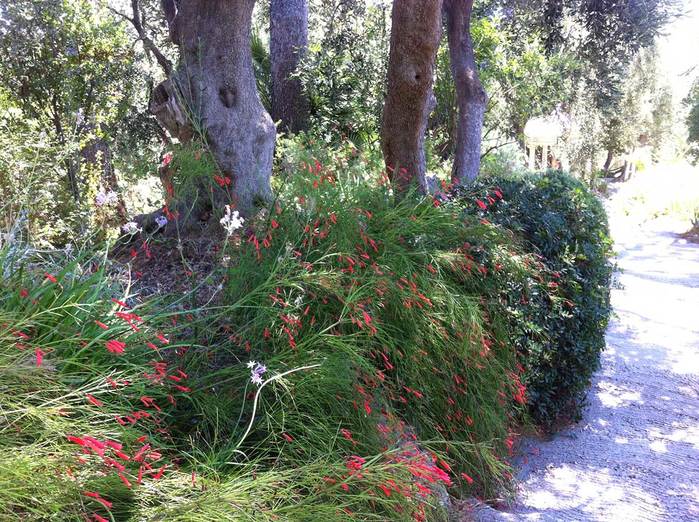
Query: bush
(565, 224)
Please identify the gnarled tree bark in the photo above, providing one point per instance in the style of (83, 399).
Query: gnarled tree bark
(213, 92)
(288, 45)
(415, 35)
(470, 94)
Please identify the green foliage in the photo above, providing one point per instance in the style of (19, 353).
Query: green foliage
(692, 102)
(263, 69)
(563, 222)
(394, 303)
(522, 81)
(596, 65)
(68, 79)
(344, 72)
(32, 182)
(63, 60)
(401, 342)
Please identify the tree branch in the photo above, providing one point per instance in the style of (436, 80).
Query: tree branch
(495, 147)
(148, 44)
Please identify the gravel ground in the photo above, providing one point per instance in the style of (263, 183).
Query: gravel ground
(635, 454)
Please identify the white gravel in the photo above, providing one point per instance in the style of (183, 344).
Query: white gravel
(635, 454)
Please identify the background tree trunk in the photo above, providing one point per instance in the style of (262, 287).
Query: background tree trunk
(608, 161)
(470, 95)
(415, 35)
(288, 45)
(213, 92)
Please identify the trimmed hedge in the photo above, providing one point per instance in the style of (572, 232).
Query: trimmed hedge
(559, 333)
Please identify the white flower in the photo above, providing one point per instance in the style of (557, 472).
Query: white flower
(106, 198)
(161, 221)
(131, 228)
(231, 221)
(256, 372)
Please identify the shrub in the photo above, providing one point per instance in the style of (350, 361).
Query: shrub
(565, 224)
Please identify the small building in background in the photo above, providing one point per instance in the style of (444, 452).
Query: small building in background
(543, 143)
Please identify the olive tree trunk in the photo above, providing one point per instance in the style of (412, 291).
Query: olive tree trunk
(213, 93)
(288, 45)
(470, 95)
(608, 161)
(415, 35)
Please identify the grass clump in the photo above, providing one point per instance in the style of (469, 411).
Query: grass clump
(109, 435)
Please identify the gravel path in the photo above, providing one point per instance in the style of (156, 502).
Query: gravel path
(635, 454)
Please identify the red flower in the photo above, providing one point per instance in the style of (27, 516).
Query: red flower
(347, 434)
(114, 445)
(481, 205)
(149, 402)
(367, 407)
(287, 437)
(76, 440)
(467, 478)
(39, 356)
(94, 401)
(222, 181)
(167, 159)
(98, 498)
(116, 347)
(24, 292)
(122, 455)
(51, 278)
(102, 325)
(124, 480)
(355, 463)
